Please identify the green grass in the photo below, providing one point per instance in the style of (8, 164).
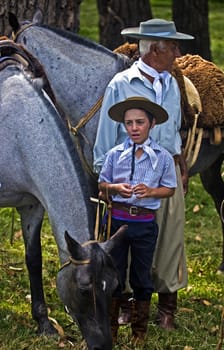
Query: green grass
(200, 305)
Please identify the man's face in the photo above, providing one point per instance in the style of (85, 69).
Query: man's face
(167, 55)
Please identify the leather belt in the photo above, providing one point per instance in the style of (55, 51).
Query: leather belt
(132, 209)
(176, 159)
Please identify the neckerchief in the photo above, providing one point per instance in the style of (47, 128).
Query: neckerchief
(146, 148)
(161, 80)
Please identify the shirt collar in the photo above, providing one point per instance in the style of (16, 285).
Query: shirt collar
(134, 72)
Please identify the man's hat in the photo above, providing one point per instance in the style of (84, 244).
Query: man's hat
(156, 29)
(116, 112)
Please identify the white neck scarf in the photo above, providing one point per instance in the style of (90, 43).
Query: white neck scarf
(146, 148)
(161, 81)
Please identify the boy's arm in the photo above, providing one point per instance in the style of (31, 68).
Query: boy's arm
(109, 189)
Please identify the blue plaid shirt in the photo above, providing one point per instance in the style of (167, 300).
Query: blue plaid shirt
(155, 168)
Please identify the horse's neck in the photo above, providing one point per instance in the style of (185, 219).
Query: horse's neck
(46, 163)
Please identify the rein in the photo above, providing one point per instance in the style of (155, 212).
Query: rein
(75, 132)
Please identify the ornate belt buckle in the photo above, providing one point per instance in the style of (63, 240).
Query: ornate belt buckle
(133, 211)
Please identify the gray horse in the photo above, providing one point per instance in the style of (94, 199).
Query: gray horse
(41, 171)
(69, 60)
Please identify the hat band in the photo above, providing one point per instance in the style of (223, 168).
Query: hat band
(157, 34)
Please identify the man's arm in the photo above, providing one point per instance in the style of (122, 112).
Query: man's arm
(184, 173)
(106, 132)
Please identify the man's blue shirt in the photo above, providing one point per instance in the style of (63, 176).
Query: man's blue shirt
(131, 83)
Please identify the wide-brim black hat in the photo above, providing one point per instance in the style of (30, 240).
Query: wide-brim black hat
(156, 29)
(116, 112)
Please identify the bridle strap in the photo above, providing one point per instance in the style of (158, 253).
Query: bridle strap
(24, 27)
(77, 262)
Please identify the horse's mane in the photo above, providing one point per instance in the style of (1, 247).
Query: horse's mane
(79, 39)
(123, 60)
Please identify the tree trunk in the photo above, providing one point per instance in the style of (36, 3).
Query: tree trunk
(191, 17)
(57, 13)
(115, 15)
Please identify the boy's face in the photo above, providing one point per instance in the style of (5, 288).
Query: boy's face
(137, 125)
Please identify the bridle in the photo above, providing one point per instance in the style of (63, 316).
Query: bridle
(77, 262)
(24, 27)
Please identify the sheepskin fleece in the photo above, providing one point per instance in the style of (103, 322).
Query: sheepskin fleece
(207, 78)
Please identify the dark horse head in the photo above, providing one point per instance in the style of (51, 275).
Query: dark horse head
(86, 283)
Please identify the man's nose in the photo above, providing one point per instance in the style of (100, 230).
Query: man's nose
(177, 52)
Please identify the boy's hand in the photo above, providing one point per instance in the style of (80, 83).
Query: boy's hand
(124, 190)
(141, 190)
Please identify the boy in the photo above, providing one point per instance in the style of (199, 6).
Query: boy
(136, 174)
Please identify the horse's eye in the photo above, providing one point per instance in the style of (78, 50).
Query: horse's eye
(66, 309)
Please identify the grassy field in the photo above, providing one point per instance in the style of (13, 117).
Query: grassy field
(200, 305)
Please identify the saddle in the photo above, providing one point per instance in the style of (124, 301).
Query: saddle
(12, 53)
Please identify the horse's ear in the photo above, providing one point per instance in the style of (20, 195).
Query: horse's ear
(13, 21)
(75, 249)
(114, 240)
(38, 17)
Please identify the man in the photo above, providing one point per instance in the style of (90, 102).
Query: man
(136, 174)
(149, 77)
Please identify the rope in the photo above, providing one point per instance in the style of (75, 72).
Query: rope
(221, 211)
(75, 132)
(194, 100)
(109, 210)
(97, 221)
(197, 148)
(221, 336)
(82, 122)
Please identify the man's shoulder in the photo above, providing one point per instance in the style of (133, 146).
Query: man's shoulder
(120, 76)
(125, 75)
(162, 150)
(115, 149)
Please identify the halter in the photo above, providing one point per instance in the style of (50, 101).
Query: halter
(82, 262)
(76, 262)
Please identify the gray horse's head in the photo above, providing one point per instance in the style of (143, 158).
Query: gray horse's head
(85, 285)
